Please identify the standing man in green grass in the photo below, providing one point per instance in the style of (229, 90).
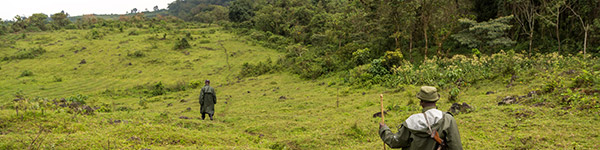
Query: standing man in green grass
(208, 99)
(432, 129)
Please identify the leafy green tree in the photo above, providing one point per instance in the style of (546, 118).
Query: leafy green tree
(241, 10)
(220, 13)
(19, 23)
(59, 20)
(38, 20)
(484, 35)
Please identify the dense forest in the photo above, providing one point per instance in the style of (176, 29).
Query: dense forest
(323, 36)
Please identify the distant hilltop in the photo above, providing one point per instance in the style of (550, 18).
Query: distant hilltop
(148, 14)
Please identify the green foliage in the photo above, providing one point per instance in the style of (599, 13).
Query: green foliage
(551, 85)
(250, 70)
(95, 34)
(361, 56)
(241, 10)
(377, 68)
(27, 53)
(26, 73)
(158, 89)
(133, 32)
(586, 79)
(391, 59)
(137, 54)
(195, 84)
(79, 98)
(59, 20)
(143, 103)
(38, 22)
(485, 35)
(181, 44)
(454, 94)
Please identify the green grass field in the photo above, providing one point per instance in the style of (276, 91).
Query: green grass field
(272, 111)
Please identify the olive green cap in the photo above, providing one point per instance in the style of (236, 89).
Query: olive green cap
(429, 94)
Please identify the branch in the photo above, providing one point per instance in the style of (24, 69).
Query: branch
(580, 19)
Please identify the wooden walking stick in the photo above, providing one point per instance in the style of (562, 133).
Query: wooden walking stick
(382, 118)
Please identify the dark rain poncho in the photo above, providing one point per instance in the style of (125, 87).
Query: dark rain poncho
(208, 99)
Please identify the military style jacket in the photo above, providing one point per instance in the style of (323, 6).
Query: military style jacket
(208, 99)
(414, 133)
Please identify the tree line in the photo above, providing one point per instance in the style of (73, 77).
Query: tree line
(343, 34)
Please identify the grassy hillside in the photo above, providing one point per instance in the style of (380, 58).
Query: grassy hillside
(145, 96)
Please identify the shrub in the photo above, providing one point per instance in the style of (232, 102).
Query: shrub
(181, 44)
(143, 103)
(158, 89)
(454, 94)
(27, 53)
(79, 98)
(136, 54)
(196, 84)
(585, 79)
(133, 32)
(26, 73)
(377, 68)
(391, 59)
(257, 35)
(95, 34)
(261, 68)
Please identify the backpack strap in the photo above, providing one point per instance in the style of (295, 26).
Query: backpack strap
(434, 134)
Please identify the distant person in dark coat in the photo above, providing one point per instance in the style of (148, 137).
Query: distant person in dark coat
(208, 99)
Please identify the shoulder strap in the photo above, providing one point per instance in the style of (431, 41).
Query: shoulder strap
(428, 126)
(434, 134)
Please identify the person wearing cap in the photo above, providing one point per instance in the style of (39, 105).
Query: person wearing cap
(208, 99)
(414, 133)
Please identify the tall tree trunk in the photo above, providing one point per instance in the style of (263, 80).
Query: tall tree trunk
(557, 28)
(530, 40)
(585, 39)
(410, 43)
(439, 53)
(426, 42)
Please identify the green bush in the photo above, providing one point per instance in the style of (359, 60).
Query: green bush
(133, 32)
(26, 73)
(136, 54)
(195, 84)
(181, 44)
(261, 68)
(95, 34)
(79, 98)
(454, 94)
(391, 59)
(158, 89)
(586, 79)
(27, 53)
(143, 103)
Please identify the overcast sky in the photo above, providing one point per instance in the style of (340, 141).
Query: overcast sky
(10, 8)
